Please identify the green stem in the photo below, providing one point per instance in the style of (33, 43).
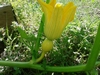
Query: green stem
(41, 57)
(47, 1)
(15, 64)
(48, 68)
(39, 67)
(94, 52)
(40, 31)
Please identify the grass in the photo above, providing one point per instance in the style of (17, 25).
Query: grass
(72, 48)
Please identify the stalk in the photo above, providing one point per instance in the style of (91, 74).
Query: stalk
(39, 67)
(40, 31)
(94, 52)
(40, 58)
(48, 68)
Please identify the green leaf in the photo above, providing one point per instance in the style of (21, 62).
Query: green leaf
(94, 72)
(22, 32)
(31, 37)
(28, 37)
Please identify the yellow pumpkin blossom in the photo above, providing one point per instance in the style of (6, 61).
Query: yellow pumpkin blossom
(57, 16)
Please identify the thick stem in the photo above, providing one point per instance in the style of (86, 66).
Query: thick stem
(94, 52)
(48, 68)
(15, 64)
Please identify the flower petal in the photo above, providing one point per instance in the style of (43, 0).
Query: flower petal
(53, 27)
(67, 9)
(68, 17)
(67, 6)
(70, 14)
(73, 13)
(47, 9)
(52, 2)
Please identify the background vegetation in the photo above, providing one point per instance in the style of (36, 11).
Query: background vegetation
(72, 48)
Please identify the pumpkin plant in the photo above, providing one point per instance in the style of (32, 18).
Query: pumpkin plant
(55, 18)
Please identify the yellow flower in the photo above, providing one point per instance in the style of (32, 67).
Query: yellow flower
(57, 16)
